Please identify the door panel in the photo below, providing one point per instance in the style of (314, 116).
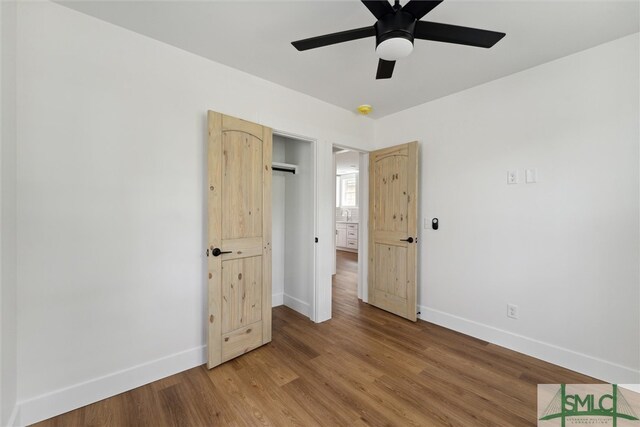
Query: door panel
(239, 214)
(390, 179)
(393, 184)
(241, 292)
(242, 182)
(392, 278)
(241, 341)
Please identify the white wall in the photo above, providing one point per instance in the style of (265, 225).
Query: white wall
(565, 250)
(111, 267)
(277, 224)
(300, 227)
(8, 280)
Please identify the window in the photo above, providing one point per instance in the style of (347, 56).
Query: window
(347, 191)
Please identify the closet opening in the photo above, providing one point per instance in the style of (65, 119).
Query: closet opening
(293, 223)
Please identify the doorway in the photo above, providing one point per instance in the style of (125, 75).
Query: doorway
(350, 171)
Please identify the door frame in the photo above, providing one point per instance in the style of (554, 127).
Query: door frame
(313, 247)
(363, 230)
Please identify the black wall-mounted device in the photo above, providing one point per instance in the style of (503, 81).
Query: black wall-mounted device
(434, 223)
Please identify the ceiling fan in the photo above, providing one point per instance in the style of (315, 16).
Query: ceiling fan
(397, 27)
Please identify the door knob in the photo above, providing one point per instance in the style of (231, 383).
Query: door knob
(218, 252)
(410, 240)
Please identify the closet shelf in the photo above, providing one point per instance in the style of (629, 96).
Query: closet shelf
(284, 167)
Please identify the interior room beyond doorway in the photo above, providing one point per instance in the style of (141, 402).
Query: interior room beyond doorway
(347, 219)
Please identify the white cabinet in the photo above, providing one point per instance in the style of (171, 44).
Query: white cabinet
(341, 235)
(347, 236)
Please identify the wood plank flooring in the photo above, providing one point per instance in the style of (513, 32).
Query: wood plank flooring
(365, 367)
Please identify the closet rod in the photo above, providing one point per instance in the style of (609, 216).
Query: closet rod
(276, 168)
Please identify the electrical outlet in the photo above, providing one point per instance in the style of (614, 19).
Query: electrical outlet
(512, 176)
(512, 311)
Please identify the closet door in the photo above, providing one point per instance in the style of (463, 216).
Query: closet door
(239, 250)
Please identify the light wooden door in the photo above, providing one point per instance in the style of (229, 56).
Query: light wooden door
(393, 229)
(239, 250)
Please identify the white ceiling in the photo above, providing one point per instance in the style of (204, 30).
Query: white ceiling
(255, 37)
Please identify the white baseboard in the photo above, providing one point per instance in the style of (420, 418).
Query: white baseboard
(14, 418)
(297, 305)
(277, 299)
(579, 362)
(66, 399)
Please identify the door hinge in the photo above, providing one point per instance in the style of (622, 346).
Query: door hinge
(316, 240)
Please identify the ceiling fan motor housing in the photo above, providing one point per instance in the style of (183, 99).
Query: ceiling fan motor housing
(395, 25)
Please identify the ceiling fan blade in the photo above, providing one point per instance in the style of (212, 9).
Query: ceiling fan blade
(385, 69)
(454, 34)
(379, 8)
(329, 39)
(419, 8)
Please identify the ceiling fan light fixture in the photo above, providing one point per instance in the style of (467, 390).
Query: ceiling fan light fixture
(394, 48)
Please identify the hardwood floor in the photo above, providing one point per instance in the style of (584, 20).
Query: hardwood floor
(363, 367)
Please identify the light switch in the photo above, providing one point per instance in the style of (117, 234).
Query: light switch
(512, 176)
(531, 176)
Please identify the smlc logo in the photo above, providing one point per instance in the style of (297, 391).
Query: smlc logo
(583, 404)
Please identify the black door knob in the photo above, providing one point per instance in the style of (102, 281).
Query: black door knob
(410, 240)
(218, 252)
